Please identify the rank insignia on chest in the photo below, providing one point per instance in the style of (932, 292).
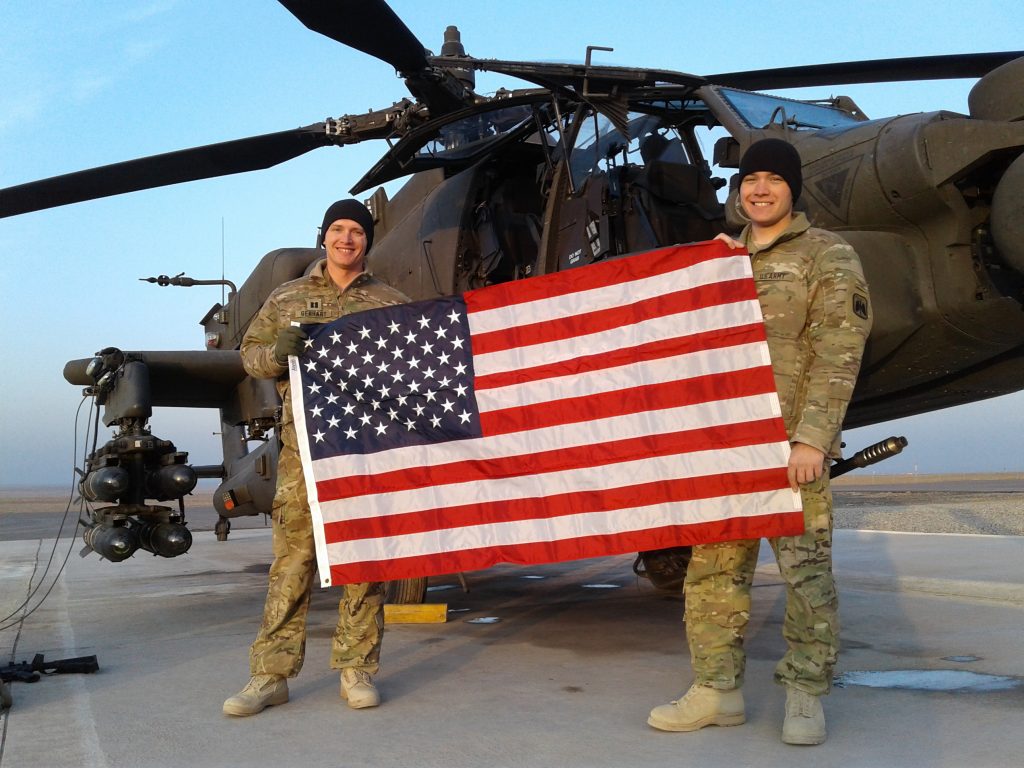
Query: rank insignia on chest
(314, 308)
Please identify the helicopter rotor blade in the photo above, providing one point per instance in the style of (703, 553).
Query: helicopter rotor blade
(873, 71)
(369, 26)
(372, 27)
(228, 157)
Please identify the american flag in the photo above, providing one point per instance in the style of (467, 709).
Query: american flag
(618, 407)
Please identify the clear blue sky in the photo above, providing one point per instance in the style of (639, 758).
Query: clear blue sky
(89, 82)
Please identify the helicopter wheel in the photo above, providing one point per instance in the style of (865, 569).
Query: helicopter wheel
(406, 591)
(666, 568)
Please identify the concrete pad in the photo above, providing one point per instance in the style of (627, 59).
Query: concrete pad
(565, 674)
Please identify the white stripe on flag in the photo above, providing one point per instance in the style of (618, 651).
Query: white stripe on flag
(649, 469)
(611, 296)
(623, 337)
(308, 474)
(687, 417)
(566, 527)
(676, 368)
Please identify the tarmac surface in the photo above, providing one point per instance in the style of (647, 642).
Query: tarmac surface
(563, 670)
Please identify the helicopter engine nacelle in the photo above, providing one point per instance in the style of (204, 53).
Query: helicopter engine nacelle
(999, 95)
(1008, 216)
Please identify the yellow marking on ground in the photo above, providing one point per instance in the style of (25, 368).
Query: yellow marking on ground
(412, 613)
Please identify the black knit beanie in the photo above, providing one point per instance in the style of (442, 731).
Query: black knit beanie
(353, 210)
(774, 156)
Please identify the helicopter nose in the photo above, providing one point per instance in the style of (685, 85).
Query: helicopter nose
(1007, 221)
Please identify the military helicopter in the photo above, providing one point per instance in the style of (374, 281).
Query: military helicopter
(589, 162)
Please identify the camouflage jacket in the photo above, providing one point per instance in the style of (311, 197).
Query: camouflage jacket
(817, 315)
(314, 298)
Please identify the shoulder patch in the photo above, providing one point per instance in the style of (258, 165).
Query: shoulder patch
(860, 306)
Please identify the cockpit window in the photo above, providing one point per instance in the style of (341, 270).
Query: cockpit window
(758, 110)
(599, 144)
(461, 140)
(466, 137)
(596, 142)
(457, 141)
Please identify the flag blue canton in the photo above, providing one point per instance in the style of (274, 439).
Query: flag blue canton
(389, 377)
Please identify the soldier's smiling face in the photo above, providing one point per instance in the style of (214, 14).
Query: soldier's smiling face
(345, 243)
(766, 198)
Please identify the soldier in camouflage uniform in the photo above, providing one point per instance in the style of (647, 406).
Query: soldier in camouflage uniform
(336, 286)
(817, 317)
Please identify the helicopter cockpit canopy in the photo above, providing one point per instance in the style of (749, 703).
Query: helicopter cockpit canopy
(757, 110)
(461, 138)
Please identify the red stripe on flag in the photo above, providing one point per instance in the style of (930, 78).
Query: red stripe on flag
(652, 397)
(600, 275)
(458, 561)
(596, 454)
(655, 350)
(677, 302)
(448, 520)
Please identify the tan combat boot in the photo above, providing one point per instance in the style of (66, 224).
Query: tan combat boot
(357, 689)
(701, 705)
(262, 691)
(805, 719)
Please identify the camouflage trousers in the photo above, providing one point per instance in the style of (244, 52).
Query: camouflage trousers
(717, 587)
(280, 645)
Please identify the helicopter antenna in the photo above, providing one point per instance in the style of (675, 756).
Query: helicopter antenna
(222, 274)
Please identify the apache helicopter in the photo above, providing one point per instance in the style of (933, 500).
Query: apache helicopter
(590, 162)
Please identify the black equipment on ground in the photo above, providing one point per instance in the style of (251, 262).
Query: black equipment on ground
(30, 671)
